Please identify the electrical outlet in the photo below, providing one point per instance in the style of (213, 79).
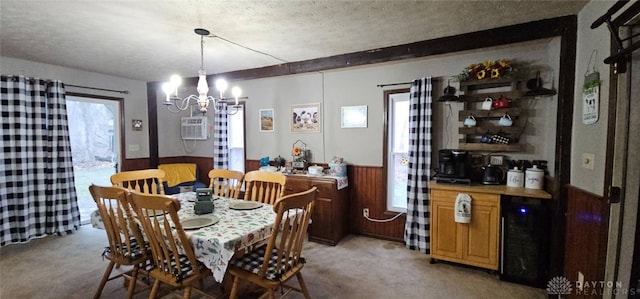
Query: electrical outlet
(365, 212)
(587, 160)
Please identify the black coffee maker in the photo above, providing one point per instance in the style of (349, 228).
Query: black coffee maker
(454, 167)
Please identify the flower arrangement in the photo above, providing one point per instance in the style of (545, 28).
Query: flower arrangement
(488, 69)
(296, 152)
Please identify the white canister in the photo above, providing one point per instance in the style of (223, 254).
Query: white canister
(515, 178)
(533, 178)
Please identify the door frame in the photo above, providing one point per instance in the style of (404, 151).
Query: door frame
(623, 251)
(120, 106)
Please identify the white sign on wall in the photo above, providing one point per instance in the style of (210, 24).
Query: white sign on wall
(591, 97)
(590, 105)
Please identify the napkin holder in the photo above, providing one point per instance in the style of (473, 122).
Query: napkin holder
(203, 204)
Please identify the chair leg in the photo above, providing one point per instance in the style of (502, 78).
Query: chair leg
(154, 289)
(105, 278)
(133, 280)
(187, 292)
(303, 286)
(234, 288)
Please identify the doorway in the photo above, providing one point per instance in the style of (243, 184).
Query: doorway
(623, 259)
(95, 134)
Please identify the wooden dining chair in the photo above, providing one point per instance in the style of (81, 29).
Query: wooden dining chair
(172, 251)
(127, 246)
(272, 265)
(226, 182)
(265, 187)
(146, 181)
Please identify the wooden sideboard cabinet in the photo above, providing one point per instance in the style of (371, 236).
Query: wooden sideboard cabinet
(475, 243)
(330, 212)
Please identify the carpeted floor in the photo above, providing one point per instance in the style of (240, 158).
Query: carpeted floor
(359, 267)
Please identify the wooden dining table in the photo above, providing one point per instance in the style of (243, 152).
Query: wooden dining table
(237, 231)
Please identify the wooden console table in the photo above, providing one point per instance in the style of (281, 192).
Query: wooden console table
(329, 218)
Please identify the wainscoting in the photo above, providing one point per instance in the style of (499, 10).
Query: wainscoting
(366, 188)
(587, 224)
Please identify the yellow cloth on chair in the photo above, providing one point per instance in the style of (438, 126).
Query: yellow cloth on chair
(176, 173)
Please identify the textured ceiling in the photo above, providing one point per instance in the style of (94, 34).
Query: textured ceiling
(149, 40)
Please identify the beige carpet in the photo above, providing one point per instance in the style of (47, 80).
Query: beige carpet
(359, 267)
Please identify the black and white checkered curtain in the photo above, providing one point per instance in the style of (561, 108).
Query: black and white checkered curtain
(37, 191)
(416, 232)
(220, 143)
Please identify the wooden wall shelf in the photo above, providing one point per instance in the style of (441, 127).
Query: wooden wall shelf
(495, 113)
(490, 147)
(477, 91)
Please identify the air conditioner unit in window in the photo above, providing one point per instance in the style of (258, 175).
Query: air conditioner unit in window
(194, 128)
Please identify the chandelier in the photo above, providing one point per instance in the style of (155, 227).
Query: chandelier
(175, 104)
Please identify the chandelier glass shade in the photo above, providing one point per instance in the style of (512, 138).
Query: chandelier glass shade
(220, 104)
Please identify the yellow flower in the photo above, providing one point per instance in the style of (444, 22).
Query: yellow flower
(495, 73)
(480, 75)
(296, 151)
(487, 64)
(504, 64)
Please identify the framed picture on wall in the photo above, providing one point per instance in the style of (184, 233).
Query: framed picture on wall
(353, 117)
(266, 120)
(136, 124)
(306, 118)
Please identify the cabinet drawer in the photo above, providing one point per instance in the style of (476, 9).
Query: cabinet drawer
(325, 189)
(476, 198)
(295, 185)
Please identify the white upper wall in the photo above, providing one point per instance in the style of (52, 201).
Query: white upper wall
(135, 103)
(590, 138)
(358, 86)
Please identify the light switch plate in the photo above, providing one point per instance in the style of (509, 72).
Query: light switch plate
(587, 160)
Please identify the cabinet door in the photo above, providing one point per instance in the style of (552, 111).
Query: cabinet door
(481, 244)
(446, 234)
(324, 223)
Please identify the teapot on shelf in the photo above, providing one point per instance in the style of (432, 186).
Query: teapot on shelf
(501, 102)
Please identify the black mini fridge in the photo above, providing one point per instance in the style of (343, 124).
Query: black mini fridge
(525, 240)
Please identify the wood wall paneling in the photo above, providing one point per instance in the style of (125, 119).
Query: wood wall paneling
(366, 190)
(587, 226)
(134, 164)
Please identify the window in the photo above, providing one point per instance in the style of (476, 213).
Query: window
(235, 140)
(396, 148)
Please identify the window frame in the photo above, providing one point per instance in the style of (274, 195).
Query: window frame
(385, 148)
(244, 135)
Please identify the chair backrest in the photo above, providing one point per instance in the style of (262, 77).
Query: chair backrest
(225, 182)
(265, 187)
(126, 242)
(146, 181)
(289, 232)
(159, 217)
